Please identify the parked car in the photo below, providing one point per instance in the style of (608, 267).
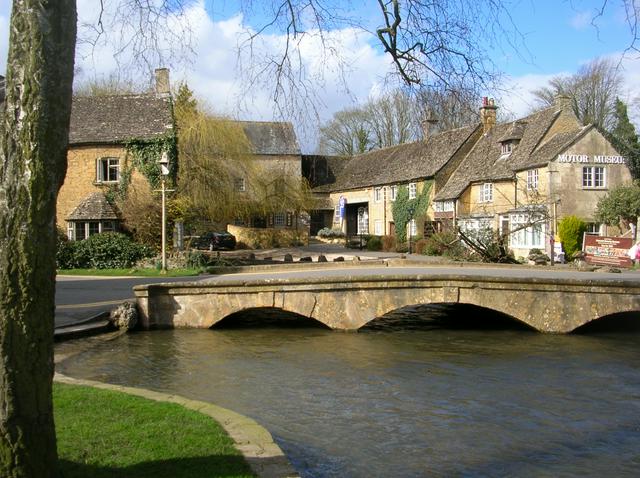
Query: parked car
(210, 241)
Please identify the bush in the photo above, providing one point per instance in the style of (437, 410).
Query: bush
(420, 246)
(439, 243)
(388, 243)
(330, 233)
(571, 229)
(109, 250)
(374, 243)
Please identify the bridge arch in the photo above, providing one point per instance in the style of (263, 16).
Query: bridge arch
(267, 317)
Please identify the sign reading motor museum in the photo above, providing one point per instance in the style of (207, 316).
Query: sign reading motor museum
(607, 251)
(585, 158)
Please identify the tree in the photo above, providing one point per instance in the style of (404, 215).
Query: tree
(620, 206)
(347, 134)
(33, 144)
(625, 139)
(593, 91)
(570, 230)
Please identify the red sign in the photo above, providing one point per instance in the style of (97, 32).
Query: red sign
(608, 251)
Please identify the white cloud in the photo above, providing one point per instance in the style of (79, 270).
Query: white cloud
(581, 20)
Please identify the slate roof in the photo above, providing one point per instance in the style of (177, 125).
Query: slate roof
(485, 161)
(271, 138)
(402, 163)
(118, 118)
(93, 208)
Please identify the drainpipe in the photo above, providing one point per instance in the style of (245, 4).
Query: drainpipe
(384, 209)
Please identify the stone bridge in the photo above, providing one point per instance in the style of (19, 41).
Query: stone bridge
(347, 303)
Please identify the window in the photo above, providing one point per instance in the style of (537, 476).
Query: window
(79, 230)
(532, 180)
(363, 220)
(239, 184)
(507, 147)
(527, 231)
(377, 194)
(593, 177)
(279, 219)
(108, 170)
(336, 215)
(393, 192)
(593, 228)
(443, 206)
(413, 190)
(413, 228)
(378, 228)
(486, 192)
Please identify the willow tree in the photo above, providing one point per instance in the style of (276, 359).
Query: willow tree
(33, 144)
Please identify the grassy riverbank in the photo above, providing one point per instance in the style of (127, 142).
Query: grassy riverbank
(106, 434)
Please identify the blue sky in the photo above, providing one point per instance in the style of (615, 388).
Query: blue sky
(558, 34)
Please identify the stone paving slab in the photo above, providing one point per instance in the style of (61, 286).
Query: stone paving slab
(264, 456)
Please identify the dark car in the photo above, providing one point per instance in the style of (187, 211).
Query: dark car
(215, 240)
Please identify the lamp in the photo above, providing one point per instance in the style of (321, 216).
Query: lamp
(164, 170)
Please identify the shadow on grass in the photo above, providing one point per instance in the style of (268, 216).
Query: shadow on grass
(195, 467)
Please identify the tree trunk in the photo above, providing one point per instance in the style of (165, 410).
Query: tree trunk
(33, 141)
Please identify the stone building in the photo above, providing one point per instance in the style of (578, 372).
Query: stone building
(522, 177)
(368, 184)
(519, 177)
(97, 156)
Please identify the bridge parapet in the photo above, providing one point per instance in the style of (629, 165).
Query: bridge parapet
(348, 303)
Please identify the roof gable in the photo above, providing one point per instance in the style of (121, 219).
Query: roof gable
(93, 208)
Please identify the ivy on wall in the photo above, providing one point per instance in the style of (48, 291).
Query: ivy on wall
(403, 207)
(145, 155)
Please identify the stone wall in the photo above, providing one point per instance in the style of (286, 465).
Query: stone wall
(269, 237)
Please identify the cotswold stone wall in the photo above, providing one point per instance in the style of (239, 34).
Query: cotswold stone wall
(266, 238)
(348, 303)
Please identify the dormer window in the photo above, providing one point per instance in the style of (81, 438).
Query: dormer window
(507, 147)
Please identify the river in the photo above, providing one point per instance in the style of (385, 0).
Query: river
(406, 402)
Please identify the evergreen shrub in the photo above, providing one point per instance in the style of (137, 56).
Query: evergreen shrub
(374, 243)
(571, 229)
(109, 250)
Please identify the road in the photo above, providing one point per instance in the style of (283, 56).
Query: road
(78, 298)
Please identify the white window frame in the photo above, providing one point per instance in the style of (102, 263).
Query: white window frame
(530, 237)
(393, 193)
(378, 194)
(377, 227)
(443, 206)
(336, 215)
(506, 148)
(279, 219)
(103, 226)
(413, 190)
(532, 180)
(486, 193)
(594, 177)
(107, 165)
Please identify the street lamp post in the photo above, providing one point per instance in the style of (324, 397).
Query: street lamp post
(411, 211)
(164, 170)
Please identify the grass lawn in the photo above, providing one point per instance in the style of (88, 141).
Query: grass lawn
(103, 434)
(130, 272)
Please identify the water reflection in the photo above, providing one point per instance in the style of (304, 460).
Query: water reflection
(429, 402)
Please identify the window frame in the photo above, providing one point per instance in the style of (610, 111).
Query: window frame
(486, 193)
(594, 177)
(240, 185)
(393, 193)
(532, 236)
(413, 190)
(533, 177)
(107, 165)
(279, 219)
(378, 194)
(378, 227)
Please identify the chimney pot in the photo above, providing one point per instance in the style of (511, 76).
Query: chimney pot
(427, 125)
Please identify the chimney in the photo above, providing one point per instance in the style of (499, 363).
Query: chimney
(427, 125)
(562, 102)
(163, 88)
(488, 114)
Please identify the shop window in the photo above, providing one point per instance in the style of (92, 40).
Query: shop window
(108, 170)
(594, 177)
